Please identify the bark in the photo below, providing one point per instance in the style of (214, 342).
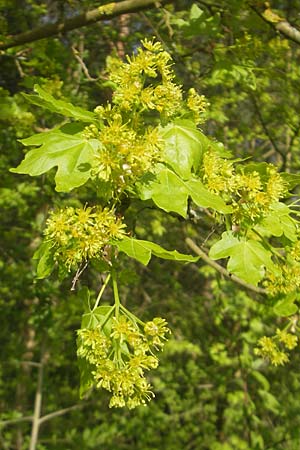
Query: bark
(279, 24)
(101, 13)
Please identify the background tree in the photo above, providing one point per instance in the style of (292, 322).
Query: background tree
(212, 391)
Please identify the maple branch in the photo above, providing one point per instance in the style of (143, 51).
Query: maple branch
(101, 13)
(279, 24)
(63, 411)
(16, 420)
(222, 269)
(37, 403)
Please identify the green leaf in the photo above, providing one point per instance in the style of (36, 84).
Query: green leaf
(142, 251)
(184, 146)
(285, 305)
(70, 152)
(47, 101)
(261, 379)
(96, 317)
(269, 401)
(86, 377)
(46, 263)
(85, 295)
(292, 179)
(170, 193)
(247, 258)
(195, 12)
(278, 222)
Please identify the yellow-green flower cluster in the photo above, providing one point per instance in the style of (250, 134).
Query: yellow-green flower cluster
(145, 81)
(283, 280)
(276, 348)
(197, 104)
(144, 92)
(125, 154)
(249, 193)
(119, 354)
(80, 234)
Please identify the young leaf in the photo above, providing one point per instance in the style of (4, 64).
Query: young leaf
(142, 251)
(47, 101)
(86, 377)
(95, 317)
(170, 193)
(285, 305)
(247, 258)
(70, 152)
(184, 146)
(44, 255)
(278, 222)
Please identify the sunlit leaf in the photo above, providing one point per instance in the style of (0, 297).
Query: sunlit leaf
(170, 193)
(248, 259)
(142, 251)
(69, 151)
(67, 109)
(183, 146)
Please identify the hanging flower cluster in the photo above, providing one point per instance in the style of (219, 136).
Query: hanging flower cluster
(119, 352)
(80, 234)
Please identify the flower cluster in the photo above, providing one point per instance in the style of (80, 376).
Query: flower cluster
(197, 104)
(249, 193)
(125, 154)
(120, 353)
(285, 279)
(144, 92)
(275, 348)
(146, 81)
(80, 234)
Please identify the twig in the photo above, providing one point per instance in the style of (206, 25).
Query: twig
(83, 65)
(77, 276)
(19, 68)
(221, 269)
(16, 420)
(276, 22)
(37, 403)
(61, 412)
(102, 13)
(266, 130)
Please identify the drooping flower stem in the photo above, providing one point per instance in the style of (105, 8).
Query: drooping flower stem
(102, 290)
(116, 293)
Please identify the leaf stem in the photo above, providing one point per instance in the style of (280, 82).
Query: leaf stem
(101, 291)
(132, 316)
(116, 293)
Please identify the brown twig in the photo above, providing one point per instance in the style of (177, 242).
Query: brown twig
(222, 269)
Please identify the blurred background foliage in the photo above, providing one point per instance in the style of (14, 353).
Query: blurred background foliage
(212, 392)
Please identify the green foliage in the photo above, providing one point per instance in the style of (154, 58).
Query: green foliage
(179, 163)
(47, 101)
(247, 257)
(65, 148)
(149, 158)
(142, 251)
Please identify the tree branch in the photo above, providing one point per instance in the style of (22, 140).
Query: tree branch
(47, 417)
(222, 269)
(101, 13)
(267, 131)
(276, 22)
(16, 420)
(61, 412)
(37, 403)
